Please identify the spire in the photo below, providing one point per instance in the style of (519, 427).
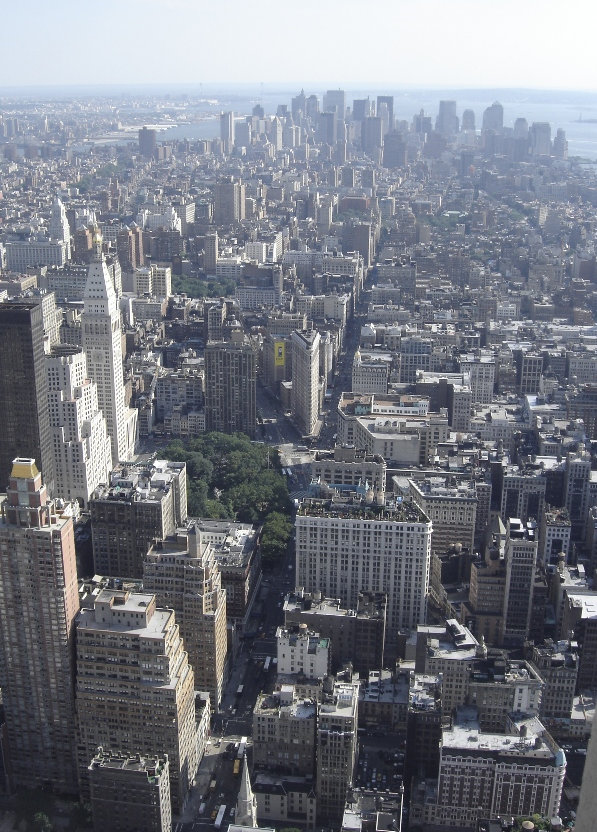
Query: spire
(246, 805)
(99, 285)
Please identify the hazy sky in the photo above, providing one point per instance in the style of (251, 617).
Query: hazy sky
(389, 43)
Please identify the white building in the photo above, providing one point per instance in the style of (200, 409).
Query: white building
(59, 228)
(154, 280)
(101, 335)
(80, 442)
(481, 369)
(301, 651)
(23, 253)
(344, 546)
(370, 373)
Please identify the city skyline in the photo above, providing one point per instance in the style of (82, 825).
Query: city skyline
(513, 49)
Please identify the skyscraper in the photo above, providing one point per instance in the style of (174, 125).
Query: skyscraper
(335, 101)
(337, 719)
(38, 604)
(229, 201)
(59, 228)
(447, 120)
(227, 128)
(493, 117)
(147, 142)
(135, 686)
(371, 134)
(304, 398)
(25, 425)
(82, 448)
(388, 101)
(101, 333)
(184, 575)
(230, 387)
(521, 562)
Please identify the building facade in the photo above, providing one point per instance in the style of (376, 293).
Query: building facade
(24, 390)
(135, 688)
(184, 575)
(38, 605)
(230, 388)
(101, 332)
(344, 547)
(304, 397)
(81, 445)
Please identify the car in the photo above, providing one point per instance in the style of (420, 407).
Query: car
(214, 814)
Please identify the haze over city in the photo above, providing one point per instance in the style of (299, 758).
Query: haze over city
(298, 417)
(390, 43)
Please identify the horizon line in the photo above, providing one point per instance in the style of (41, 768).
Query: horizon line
(320, 85)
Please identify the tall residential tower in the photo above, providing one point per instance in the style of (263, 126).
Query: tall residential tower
(38, 604)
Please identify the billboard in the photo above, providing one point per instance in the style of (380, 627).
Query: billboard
(279, 353)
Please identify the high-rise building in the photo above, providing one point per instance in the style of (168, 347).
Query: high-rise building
(24, 419)
(129, 793)
(371, 135)
(335, 101)
(210, 253)
(447, 120)
(521, 563)
(451, 507)
(468, 120)
(361, 108)
(523, 495)
(135, 687)
(184, 575)
(147, 142)
(59, 228)
(388, 102)
(284, 725)
(230, 387)
(138, 504)
(229, 201)
(337, 717)
(493, 117)
(101, 331)
(540, 136)
(576, 490)
(82, 448)
(327, 128)
(38, 604)
(227, 128)
(394, 150)
(304, 399)
(372, 544)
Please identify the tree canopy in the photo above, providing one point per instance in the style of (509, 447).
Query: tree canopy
(230, 476)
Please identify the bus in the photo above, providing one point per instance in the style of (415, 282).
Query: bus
(239, 690)
(220, 816)
(241, 748)
(236, 769)
(266, 664)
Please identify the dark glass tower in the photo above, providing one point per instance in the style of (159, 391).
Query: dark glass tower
(24, 418)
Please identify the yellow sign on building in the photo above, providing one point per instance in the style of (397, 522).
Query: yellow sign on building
(279, 353)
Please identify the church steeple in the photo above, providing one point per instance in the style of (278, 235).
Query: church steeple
(246, 804)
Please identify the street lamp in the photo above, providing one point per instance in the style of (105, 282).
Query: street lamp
(401, 805)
